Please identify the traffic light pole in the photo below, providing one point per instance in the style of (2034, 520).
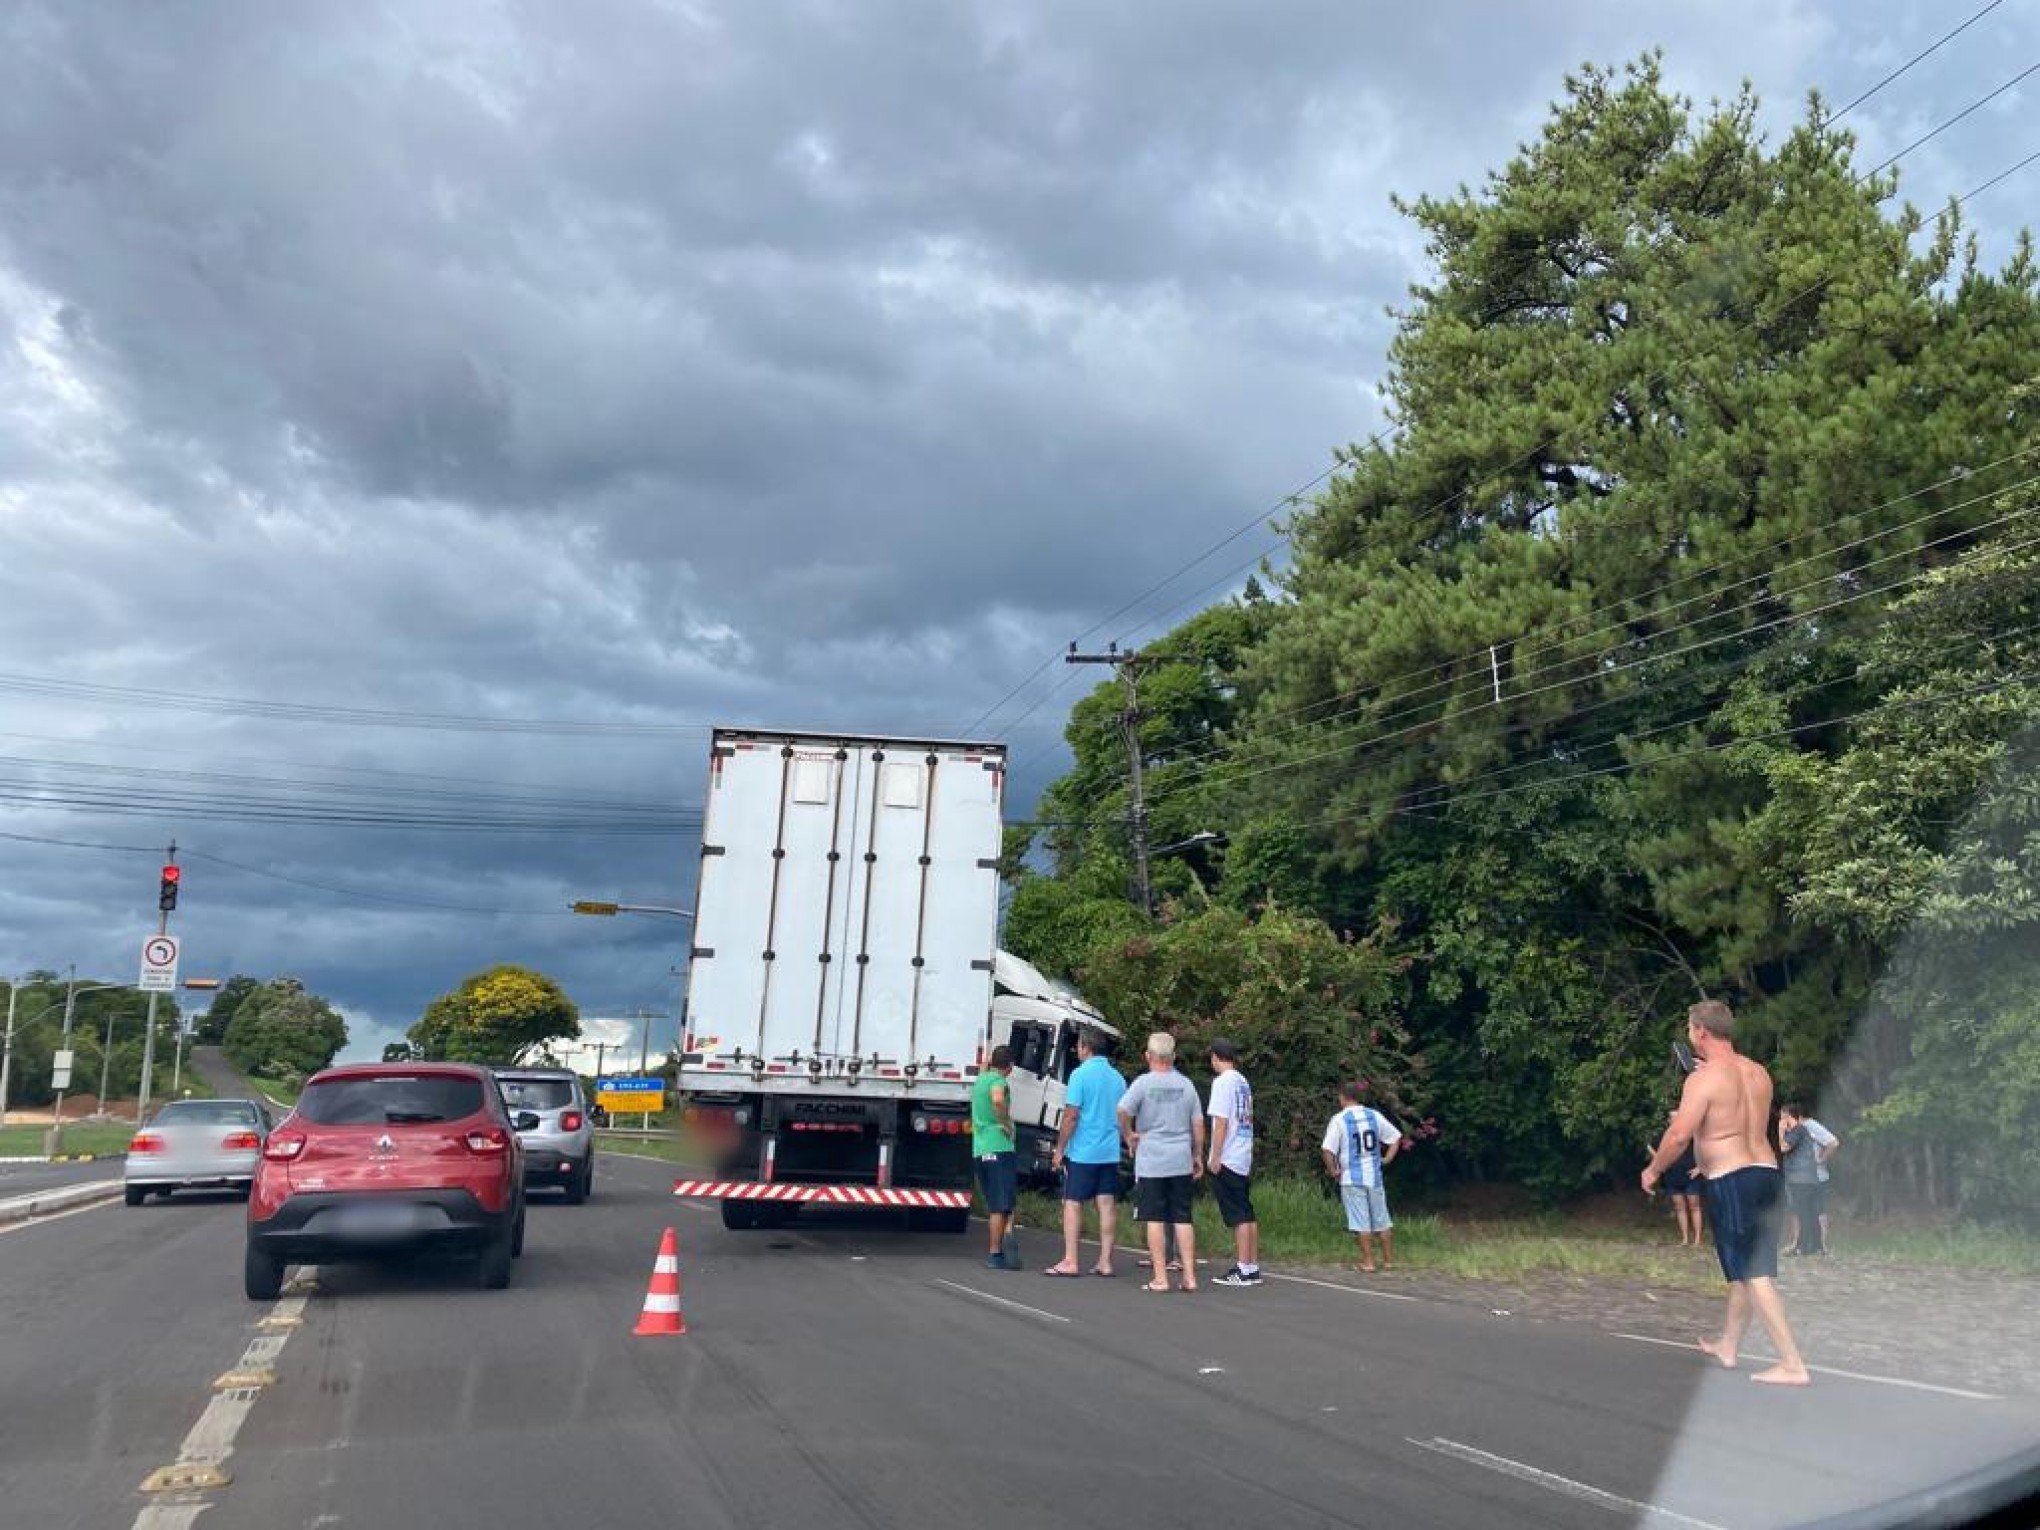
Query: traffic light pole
(149, 1025)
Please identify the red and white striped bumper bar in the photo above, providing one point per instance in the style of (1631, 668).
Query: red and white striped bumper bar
(827, 1195)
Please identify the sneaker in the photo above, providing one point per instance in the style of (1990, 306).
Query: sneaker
(995, 1261)
(1251, 1277)
(1237, 1277)
(1010, 1260)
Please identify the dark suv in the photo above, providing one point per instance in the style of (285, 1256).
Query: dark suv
(389, 1158)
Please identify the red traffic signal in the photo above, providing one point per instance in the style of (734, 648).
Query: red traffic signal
(166, 893)
(173, 874)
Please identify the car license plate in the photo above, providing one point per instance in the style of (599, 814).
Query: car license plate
(371, 1221)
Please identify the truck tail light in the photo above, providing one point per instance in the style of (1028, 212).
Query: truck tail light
(920, 1123)
(240, 1141)
(146, 1142)
(489, 1141)
(282, 1147)
(570, 1121)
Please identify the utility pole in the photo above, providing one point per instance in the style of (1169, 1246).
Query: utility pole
(54, 1141)
(1129, 665)
(165, 903)
(7, 1055)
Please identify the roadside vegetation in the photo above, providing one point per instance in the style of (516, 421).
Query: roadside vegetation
(1302, 1226)
(79, 1137)
(1677, 638)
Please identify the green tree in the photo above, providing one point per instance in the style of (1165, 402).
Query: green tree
(1308, 1008)
(212, 1030)
(279, 1031)
(494, 1016)
(1583, 679)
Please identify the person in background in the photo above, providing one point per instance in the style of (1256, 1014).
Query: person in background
(1163, 1124)
(1805, 1145)
(1683, 1184)
(1231, 1162)
(1087, 1153)
(1360, 1142)
(991, 1145)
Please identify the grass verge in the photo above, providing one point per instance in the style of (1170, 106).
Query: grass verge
(1302, 1225)
(670, 1149)
(79, 1137)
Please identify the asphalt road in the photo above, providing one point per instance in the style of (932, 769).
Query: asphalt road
(850, 1374)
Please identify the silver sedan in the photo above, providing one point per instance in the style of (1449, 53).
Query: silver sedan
(197, 1144)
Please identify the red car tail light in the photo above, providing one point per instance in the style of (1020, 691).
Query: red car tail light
(488, 1140)
(240, 1141)
(146, 1142)
(570, 1121)
(282, 1147)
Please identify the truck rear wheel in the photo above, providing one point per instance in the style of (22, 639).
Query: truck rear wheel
(739, 1216)
(946, 1220)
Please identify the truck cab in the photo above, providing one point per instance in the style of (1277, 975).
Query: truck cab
(1039, 1019)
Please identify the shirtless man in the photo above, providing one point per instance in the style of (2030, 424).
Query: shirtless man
(1724, 1113)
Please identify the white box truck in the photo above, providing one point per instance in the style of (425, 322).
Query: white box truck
(839, 992)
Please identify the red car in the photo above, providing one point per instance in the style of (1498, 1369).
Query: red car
(384, 1159)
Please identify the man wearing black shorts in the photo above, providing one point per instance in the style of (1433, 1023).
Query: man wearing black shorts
(1725, 1112)
(1232, 1162)
(1163, 1124)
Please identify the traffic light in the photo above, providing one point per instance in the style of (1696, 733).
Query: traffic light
(166, 896)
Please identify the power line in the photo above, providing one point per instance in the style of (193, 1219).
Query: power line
(1904, 704)
(467, 783)
(1976, 191)
(1932, 134)
(1833, 117)
(1448, 666)
(1377, 741)
(378, 897)
(375, 717)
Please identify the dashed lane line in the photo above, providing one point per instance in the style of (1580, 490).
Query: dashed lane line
(1000, 1301)
(178, 1490)
(1333, 1285)
(1822, 1370)
(1536, 1476)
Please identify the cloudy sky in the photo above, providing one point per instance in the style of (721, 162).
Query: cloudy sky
(445, 412)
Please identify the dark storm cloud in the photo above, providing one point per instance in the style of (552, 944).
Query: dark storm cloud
(821, 364)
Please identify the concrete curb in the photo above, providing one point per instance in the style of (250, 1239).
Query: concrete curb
(43, 1202)
(66, 1158)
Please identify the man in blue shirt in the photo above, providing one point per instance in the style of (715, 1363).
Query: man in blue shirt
(1087, 1152)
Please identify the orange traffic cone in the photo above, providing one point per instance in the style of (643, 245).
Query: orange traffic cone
(662, 1298)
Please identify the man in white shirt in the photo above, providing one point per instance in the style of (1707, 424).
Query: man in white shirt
(1232, 1161)
(1359, 1143)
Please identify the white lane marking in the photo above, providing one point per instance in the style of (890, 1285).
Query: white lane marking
(58, 1216)
(1649, 1513)
(986, 1296)
(1333, 1285)
(1820, 1370)
(211, 1439)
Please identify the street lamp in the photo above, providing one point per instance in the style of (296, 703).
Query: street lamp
(610, 910)
(607, 910)
(1196, 841)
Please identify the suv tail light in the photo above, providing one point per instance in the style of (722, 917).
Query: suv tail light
(570, 1120)
(488, 1140)
(240, 1141)
(146, 1142)
(282, 1147)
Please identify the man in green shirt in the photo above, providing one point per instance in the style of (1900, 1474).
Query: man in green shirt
(991, 1144)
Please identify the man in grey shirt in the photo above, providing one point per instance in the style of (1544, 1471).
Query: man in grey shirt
(1162, 1121)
